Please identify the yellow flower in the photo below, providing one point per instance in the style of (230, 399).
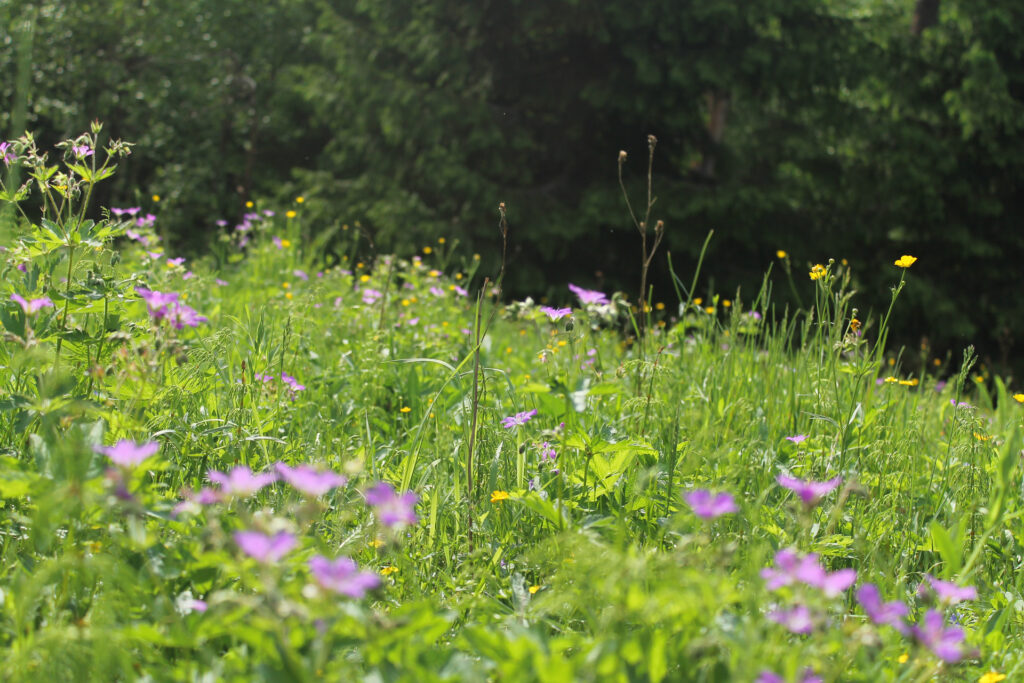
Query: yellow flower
(992, 677)
(364, 278)
(290, 214)
(286, 285)
(428, 250)
(1019, 398)
(405, 409)
(726, 303)
(299, 200)
(818, 271)
(902, 659)
(854, 324)
(433, 273)
(458, 276)
(376, 543)
(659, 306)
(533, 591)
(709, 309)
(905, 261)
(938, 361)
(287, 295)
(248, 205)
(981, 437)
(387, 571)
(156, 198)
(440, 240)
(476, 257)
(698, 301)
(286, 243)
(498, 496)
(781, 254)
(910, 382)
(891, 380)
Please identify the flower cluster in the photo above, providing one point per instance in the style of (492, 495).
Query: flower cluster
(163, 305)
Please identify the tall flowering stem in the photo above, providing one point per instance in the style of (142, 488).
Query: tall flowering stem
(642, 226)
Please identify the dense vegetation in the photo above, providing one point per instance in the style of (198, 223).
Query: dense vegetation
(298, 467)
(846, 128)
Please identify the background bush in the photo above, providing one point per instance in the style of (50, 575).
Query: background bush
(849, 129)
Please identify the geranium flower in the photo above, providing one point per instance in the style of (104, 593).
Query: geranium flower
(391, 508)
(309, 480)
(157, 303)
(518, 420)
(555, 314)
(241, 481)
(127, 453)
(588, 296)
(32, 305)
(891, 613)
(263, 548)
(342, 576)
(947, 592)
(945, 643)
(799, 438)
(810, 492)
(707, 505)
(797, 619)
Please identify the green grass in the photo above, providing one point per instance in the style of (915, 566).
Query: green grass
(592, 568)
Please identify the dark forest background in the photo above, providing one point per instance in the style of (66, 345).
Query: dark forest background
(853, 129)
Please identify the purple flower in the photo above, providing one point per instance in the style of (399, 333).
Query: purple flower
(157, 303)
(810, 492)
(555, 313)
(146, 221)
(791, 568)
(171, 262)
(128, 453)
(769, 677)
(7, 154)
(132, 235)
(342, 576)
(241, 481)
(948, 593)
(588, 296)
(891, 613)
(945, 643)
(263, 548)
(799, 438)
(391, 508)
(797, 619)
(193, 605)
(277, 242)
(301, 274)
(547, 451)
(185, 316)
(370, 296)
(518, 420)
(33, 305)
(309, 480)
(707, 505)
(461, 291)
(292, 382)
(81, 151)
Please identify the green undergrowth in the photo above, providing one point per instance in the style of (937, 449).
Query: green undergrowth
(563, 549)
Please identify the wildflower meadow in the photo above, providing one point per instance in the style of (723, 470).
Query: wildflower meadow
(289, 461)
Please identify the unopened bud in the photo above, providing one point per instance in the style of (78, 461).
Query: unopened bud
(659, 226)
(651, 141)
(622, 155)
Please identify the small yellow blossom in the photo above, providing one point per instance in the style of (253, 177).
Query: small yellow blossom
(458, 276)
(992, 677)
(405, 302)
(476, 257)
(937, 362)
(659, 306)
(982, 437)
(156, 198)
(905, 261)
(286, 243)
(389, 570)
(854, 324)
(290, 214)
(1019, 398)
(892, 361)
(818, 271)
(498, 496)
(533, 591)
(364, 278)
(434, 272)
(709, 309)
(698, 301)
(428, 250)
(726, 303)
(287, 295)
(440, 240)
(891, 380)
(508, 349)
(299, 200)
(910, 382)
(781, 254)
(376, 543)
(345, 227)
(248, 205)
(405, 409)
(902, 659)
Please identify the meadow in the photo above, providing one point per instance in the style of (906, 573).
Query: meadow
(292, 462)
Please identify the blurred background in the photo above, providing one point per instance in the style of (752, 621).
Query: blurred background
(846, 129)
